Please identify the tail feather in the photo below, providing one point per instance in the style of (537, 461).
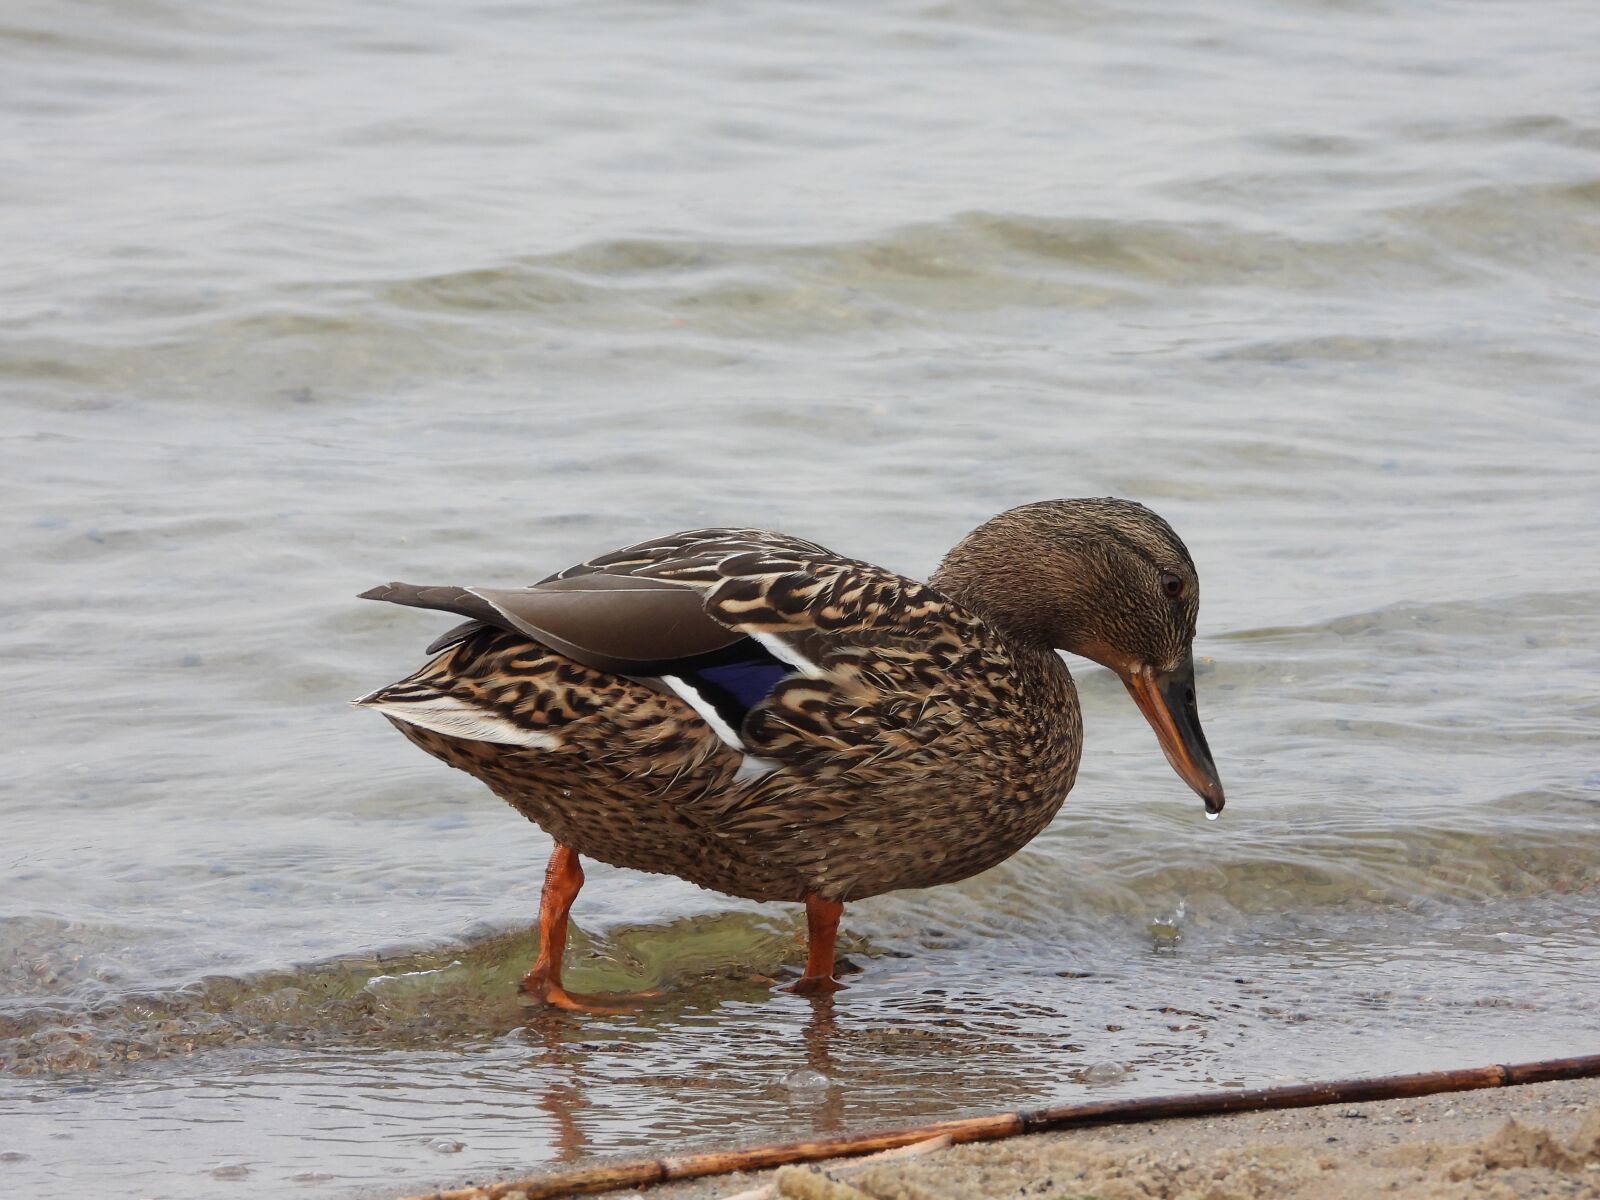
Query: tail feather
(422, 701)
(416, 702)
(447, 599)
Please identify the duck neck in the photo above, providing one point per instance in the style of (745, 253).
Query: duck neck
(1037, 582)
(992, 590)
(988, 584)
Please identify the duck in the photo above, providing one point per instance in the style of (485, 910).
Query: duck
(764, 717)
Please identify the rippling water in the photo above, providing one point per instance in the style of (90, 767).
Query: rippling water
(297, 299)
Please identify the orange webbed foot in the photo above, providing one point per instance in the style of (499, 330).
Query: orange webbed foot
(822, 928)
(538, 989)
(813, 985)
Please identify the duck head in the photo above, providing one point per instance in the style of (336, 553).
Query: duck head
(1108, 580)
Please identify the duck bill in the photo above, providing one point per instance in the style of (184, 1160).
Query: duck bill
(1167, 702)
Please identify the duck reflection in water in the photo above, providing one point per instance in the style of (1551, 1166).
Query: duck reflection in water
(567, 1084)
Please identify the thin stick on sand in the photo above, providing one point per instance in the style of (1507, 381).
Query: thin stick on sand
(1004, 1125)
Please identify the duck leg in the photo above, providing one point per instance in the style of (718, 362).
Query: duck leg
(562, 879)
(822, 926)
(563, 876)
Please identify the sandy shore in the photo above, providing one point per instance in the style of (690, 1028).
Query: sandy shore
(1540, 1140)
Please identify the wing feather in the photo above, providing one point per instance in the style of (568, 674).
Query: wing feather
(887, 666)
(884, 664)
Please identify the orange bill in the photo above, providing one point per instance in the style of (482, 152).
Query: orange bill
(1167, 702)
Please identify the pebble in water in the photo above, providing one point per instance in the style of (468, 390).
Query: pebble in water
(805, 1079)
(1104, 1072)
(1167, 931)
(12, 1156)
(230, 1171)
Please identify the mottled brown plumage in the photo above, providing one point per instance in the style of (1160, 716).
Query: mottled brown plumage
(911, 734)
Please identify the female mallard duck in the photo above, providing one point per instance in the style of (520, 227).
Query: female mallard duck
(761, 716)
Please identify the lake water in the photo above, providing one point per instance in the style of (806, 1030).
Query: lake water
(298, 298)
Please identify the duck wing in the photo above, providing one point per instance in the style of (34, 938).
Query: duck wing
(640, 612)
(803, 648)
(879, 665)
(613, 623)
(706, 544)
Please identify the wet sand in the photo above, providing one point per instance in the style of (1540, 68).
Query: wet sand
(1540, 1140)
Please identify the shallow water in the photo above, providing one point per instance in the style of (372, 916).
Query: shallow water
(292, 302)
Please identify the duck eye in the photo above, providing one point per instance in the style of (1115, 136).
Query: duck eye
(1171, 584)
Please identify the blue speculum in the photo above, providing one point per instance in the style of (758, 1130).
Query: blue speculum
(734, 688)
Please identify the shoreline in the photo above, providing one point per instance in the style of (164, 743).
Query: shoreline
(1538, 1140)
(1534, 1140)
